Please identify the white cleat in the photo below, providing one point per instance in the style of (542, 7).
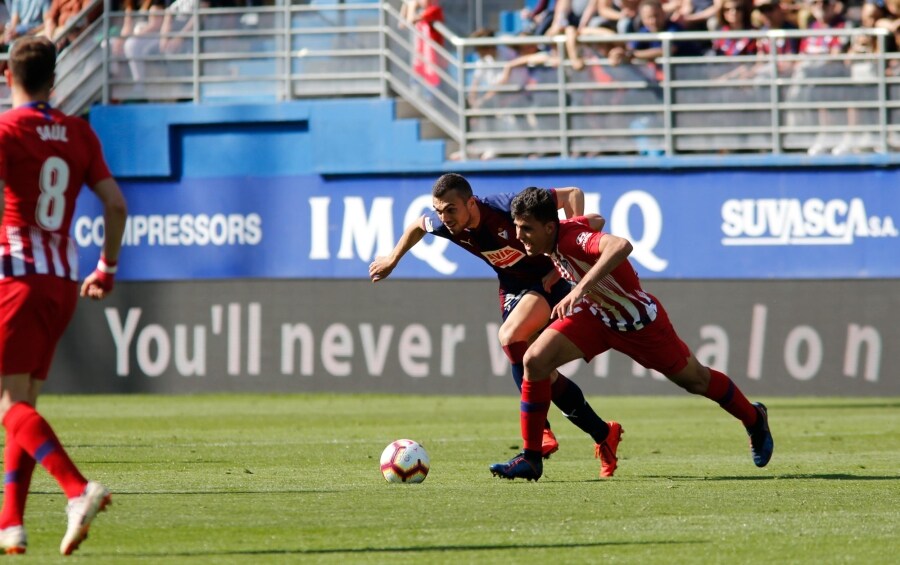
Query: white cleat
(81, 511)
(13, 540)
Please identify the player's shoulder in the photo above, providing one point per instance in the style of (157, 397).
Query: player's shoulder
(500, 201)
(575, 223)
(11, 116)
(576, 231)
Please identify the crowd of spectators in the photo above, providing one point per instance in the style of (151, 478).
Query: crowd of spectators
(579, 20)
(44, 17)
(145, 32)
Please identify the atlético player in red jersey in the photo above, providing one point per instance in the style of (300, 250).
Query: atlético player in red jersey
(45, 159)
(606, 309)
(529, 287)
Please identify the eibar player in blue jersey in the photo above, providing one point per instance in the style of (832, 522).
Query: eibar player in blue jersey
(529, 288)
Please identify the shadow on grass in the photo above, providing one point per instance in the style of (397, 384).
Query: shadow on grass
(788, 477)
(855, 405)
(406, 549)
(118, 493)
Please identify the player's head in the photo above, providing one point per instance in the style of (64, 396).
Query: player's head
(454, 203)
(534, 212)
(32, 64)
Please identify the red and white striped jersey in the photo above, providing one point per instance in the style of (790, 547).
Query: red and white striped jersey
(623, 304)
(45, 159)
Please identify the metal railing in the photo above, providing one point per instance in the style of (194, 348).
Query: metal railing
(675, 105)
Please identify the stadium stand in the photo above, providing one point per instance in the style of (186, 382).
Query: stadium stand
(772, 104)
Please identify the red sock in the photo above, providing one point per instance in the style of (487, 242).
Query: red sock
(36, 437)
(729, 396)
(534, 407)
(18, 467)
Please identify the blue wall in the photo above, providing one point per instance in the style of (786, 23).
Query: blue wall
(316, 189)
(294, 138)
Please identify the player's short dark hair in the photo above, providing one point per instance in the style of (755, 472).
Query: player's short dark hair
(452, 182)
(538, 203)
(32, 62)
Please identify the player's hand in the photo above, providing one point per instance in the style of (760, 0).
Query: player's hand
(380, 268)
(566, 306)
(550, 279)
(99, 284)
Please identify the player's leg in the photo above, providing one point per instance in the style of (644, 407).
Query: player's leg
(33, 434)
(566, 394)
(34, 312)
(18, 468)
(717, 386)
(524, 315)
(657, 346)
(568, 397)
(551, 349)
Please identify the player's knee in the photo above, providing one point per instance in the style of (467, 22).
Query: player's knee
(505, 334)
(509, 334)
(538, 363)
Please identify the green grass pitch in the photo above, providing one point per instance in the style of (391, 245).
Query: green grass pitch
(294, 479)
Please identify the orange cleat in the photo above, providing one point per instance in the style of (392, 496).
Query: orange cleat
(549, 445)
(606, 450)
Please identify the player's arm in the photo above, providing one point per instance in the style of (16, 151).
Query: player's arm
(596, 221)
(612, 250)
(571, 200)
(383, 266)
(99, 284)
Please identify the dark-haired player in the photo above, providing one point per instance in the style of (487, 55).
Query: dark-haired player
(529, 287)
(45, 159)
(606, 309)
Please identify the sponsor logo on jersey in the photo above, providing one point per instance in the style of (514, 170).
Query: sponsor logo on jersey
(503, 258)
(791, 221)
(503, 234)
(582, 238)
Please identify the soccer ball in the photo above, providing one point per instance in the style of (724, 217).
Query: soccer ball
(404, 461)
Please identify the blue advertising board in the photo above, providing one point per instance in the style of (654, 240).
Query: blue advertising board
(717, 224)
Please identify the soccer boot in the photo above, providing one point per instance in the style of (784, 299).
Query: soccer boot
(761, 443)
(549, 445)
(605, 451)
(13, 540)
(81, 510)
(518, 468)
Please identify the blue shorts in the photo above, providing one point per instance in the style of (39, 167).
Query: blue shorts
(509, 300)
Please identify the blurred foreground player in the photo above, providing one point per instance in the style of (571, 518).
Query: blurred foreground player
(45, 159)
(529, 287)
(606, 309)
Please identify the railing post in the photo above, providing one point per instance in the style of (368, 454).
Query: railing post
(461, 101)
(668, 124)
(105, 51)
(382, 48)
(882, 95)
(287, 52)
(195, 35)
(561, 100)
(773, 95)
